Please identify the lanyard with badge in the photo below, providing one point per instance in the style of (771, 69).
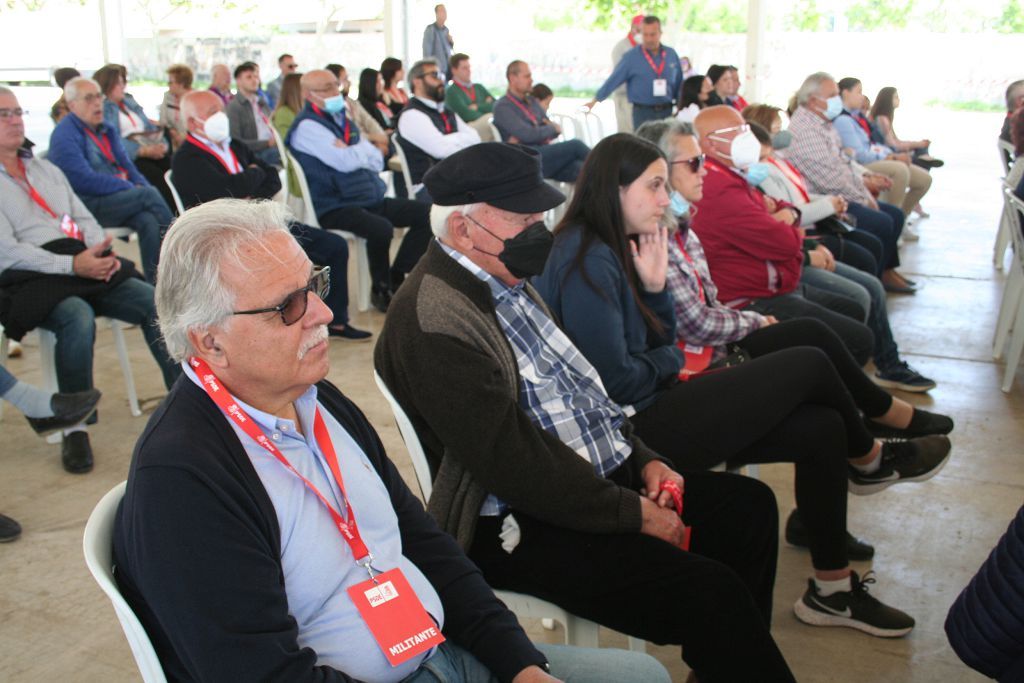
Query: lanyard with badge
(660, 84)
(67, 225)
(234, 168)
(386, 602)
(104, 144)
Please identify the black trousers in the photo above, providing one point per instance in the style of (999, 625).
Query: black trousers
(153, 170)
(840, 313)
(788, 406)
(376, 225)
(715, 601)
(857, 249)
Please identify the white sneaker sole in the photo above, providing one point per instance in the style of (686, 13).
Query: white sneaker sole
(869, 489)
(815, 618)
(909, 388)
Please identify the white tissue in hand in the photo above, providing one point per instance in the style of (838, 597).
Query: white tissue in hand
(509, 534)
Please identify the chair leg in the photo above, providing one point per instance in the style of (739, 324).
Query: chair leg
(363, 274)
(580, 632)
(637, 644)
(754, 471)
(117, 327)
(1007, 308)
(5, 345)
(1014, 352)
(1002, 241)
(48, 366)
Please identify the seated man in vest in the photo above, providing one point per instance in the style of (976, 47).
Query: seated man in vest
(210, 165)
(264, 534)
(537, 471)
(520, 119)
(427, 131)
(343, 171)
(471, 101)
(58, 272)
(108, 183)
(249, 115)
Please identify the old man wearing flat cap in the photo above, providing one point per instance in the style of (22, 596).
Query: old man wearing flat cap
(536, 471)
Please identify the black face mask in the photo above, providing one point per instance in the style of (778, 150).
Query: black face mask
(525, 254)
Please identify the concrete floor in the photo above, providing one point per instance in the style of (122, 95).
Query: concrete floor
(55, 625)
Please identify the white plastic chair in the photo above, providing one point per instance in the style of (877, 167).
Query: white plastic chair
(285, 165)
(571, 128)
(1003, 240)
(1011, 311)
(406, 174)
(358, 243)
(97, 544)
(174, 192)
(593, 127)
(578, 631)
(494, 130)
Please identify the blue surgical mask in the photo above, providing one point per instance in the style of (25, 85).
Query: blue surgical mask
(782, 139)
(756, 173)
(679, 205)
(833, 107)
(334, 104)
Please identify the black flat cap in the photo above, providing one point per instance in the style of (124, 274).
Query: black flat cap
(496, 173)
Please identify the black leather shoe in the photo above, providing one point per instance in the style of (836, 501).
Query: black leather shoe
(9, 529)
(380, 299)
(68, 410)
(796, 534)
(76, 453)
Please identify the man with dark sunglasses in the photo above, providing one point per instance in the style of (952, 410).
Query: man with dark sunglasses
(264, 533)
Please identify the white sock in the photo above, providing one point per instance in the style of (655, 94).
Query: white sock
(871, 467)
(826, 588)
(29, 400)
(80, 427)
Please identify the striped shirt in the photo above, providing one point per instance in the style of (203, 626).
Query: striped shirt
(817, 152)
(559, 389)
(25, 226)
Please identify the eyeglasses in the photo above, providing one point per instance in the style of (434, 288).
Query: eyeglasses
(294, 305)
(92, 97)
(432, 74)
(10, 113)
(695, 164)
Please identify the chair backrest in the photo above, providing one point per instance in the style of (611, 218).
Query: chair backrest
(593, 127)
(174, 192)
(494, 130)
(1006, 156)
(570, 125)
(412, 440)
(1014, 207)
(405, 167)
(285, 164)
(309, 213)
(97, 544)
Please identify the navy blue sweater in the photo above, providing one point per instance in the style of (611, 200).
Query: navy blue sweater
(197, 554)
(985, 626)
(605, 323)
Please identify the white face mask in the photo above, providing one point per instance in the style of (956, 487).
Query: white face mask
(217, 128)
(744, 149)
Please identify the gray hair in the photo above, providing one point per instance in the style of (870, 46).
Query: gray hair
(811, 86)
(664, 134)
(4, 90)
(190, 292)
(439, 216)
(417, 69)
(72, 87)
(1012, 92)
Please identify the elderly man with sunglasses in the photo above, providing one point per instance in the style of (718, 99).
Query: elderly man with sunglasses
(264, 533)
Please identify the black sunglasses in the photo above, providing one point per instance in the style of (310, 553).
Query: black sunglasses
(294, 305)
(695, 164)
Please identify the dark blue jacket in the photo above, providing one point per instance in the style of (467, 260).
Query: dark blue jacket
(90, 173)
(605, 323)
(197, 550)
(329, 188)
(985, 626)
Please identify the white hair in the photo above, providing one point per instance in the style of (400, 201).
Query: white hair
(665, 134)
(6, 91)
(811, 86)
(190, 292)
(439, 216)
(72, 87)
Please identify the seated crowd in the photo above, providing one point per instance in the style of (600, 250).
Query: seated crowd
(714, 296)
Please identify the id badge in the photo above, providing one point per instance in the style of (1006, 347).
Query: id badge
(395, 616)
(70, 228)
(660, 87)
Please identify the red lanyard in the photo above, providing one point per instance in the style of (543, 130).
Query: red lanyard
(108, 151)
(348, 529)
(793, 175)
(347, 133)
(524, 109)
(863, 124)
(447, 123)
(470, 91)
(126, 112)
(657, 69)
(32, 193)
(206, 148)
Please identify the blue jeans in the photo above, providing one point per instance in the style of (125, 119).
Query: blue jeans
(836, 283)
(7, 380)
(562, 161)
(73, 320)
(886, 224)
(452, 664)
(143, 210)
(885, 353)
(327, 249)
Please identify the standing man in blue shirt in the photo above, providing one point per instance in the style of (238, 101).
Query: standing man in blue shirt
(438, 41)
(651, 73)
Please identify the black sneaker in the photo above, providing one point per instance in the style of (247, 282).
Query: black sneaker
(9, 529)
(855, 608)
(349, 333)
(923, 423)
(905, 378)
(796, 535)
(380, 299)
(903, 461)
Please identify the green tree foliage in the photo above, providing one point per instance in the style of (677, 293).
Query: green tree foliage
(1012, 18)
(879, 15)
(805, 16)
(708, 16)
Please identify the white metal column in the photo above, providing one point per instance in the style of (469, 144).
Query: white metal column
(755, 68)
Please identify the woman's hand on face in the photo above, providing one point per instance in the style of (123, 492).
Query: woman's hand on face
(650, 259)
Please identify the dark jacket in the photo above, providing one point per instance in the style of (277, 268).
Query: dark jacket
(605, 323)
(985, 625)
(419, 161)
(197, 552)
(242, 121)
(200, 177)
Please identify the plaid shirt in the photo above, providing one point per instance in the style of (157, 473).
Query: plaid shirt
(700, 322)
(558, 389)
(817, 152)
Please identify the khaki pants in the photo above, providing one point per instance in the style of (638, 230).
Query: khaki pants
(623, 111)
(482, 125)
(909, 183)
